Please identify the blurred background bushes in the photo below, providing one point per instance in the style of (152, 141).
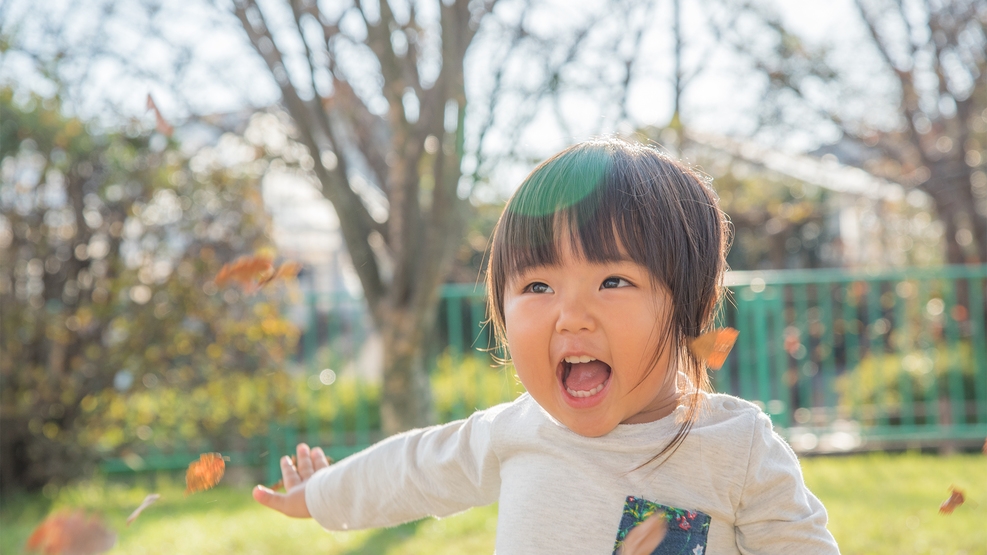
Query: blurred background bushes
(108, 245)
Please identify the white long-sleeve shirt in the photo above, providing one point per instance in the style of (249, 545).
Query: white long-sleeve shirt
(732, 486)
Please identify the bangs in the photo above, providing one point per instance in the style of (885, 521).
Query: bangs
(615, 201)
(573, 198)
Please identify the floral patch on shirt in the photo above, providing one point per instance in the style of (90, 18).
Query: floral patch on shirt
(686, 533)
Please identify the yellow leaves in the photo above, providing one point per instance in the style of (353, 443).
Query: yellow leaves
(254, 333)
(50, 430)
(84, 316)
(111, 438)
(118, 407)
(275, 326)
(185, 346)
(89, 403)
(146, 408)
(214, 351)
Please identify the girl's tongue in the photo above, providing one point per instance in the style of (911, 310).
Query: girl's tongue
(586, 376)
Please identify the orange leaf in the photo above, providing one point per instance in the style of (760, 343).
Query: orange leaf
(246, 271)
(288, 270)
(955, 500)
(71, 532)
(145, 504)
(204, 473)
(253, 272)
(713, 347)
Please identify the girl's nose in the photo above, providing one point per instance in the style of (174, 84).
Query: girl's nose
(574, 316)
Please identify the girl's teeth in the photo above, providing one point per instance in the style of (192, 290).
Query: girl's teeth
(589, 393)
(574, 359)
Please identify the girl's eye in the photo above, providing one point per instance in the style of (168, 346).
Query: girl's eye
(537, 287)
(614, 282)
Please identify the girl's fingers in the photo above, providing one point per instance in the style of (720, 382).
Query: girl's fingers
(289, 474)
(304, 461)
(319, 459)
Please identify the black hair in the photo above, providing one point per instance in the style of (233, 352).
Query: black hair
(613, 199)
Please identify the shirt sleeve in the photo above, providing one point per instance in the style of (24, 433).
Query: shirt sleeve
(434, 471)
(777, 512)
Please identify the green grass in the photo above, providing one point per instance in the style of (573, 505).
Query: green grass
(877, 504)
(889, 504)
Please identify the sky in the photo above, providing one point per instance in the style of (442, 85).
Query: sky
(214, 84)
(224, 74)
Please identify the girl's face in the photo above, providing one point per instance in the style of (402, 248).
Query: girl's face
(583, 336)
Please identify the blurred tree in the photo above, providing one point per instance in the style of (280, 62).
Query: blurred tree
(108, 244)
(910, 99)
(377, 97)
(411, 146)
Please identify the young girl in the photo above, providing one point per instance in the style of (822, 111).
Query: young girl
(606, 262)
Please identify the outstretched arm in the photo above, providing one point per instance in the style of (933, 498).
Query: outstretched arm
(292, 502)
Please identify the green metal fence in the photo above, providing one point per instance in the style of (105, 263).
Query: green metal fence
(841, 360)
(848, 361)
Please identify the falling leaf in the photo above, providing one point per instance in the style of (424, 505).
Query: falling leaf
(713, 347)
(161, 124)
(71, 532)
(204, 473)
(288, 270)
(645, 537)
(955, 500)
(246, 271)
(147, 503)
(253, 272)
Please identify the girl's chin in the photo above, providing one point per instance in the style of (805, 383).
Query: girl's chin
(588, 427)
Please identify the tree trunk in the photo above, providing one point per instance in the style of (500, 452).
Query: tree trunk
(406, 402)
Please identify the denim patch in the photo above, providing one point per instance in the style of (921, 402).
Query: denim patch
(686, 532)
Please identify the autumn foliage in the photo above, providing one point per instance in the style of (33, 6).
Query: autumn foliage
(116, 340)
(254, 272)
(713, 347)
(955, 499)
(204, 473)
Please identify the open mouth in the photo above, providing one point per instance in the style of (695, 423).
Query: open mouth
(584, 376)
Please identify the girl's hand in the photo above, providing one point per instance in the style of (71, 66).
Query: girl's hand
(292, 503)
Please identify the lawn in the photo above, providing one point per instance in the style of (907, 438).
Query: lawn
(877, 504)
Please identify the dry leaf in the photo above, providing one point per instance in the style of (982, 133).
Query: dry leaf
(204, 473)
(955, 500)
(713, 347)
(147, 503)
(161, 124)
(645, 537)
(288, 270)
(246, 271)
(71, 532)
(253, 272)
